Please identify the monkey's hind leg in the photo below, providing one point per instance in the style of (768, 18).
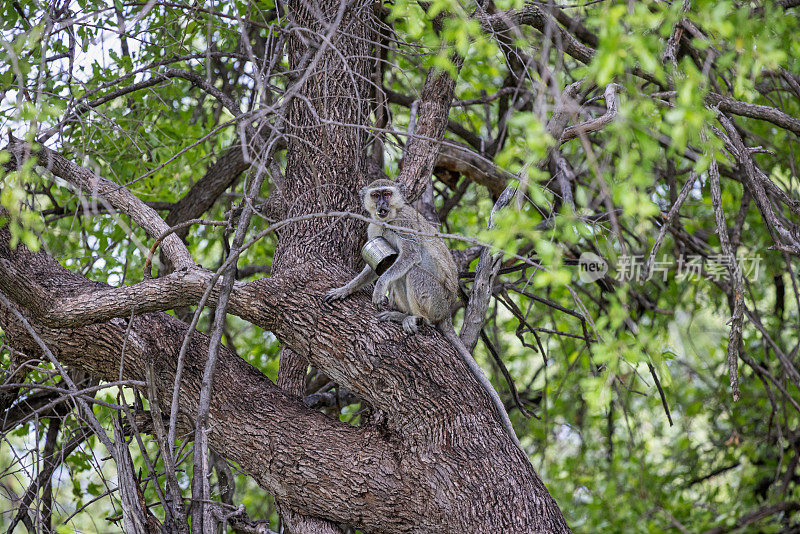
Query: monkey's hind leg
(409, 322)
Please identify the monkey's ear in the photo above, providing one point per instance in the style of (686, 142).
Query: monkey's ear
(362, 192)
(402, 188)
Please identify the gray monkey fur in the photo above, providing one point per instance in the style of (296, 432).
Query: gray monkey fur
(422, 282)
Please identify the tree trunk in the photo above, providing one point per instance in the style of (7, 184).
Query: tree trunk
(439, 462)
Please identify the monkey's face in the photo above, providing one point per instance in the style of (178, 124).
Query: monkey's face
(382, 203)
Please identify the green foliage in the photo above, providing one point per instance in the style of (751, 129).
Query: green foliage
(604, 444)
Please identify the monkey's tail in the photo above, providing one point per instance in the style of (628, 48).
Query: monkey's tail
(447, 330)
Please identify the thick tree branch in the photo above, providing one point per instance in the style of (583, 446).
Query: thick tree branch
(86, 303)
(202, 195)
(459, 158)
(454, 127)
(422, 149)
(274, 427)
(117, 196)
(485, 275)
(507, 21)
(755, 111)
(598, 123)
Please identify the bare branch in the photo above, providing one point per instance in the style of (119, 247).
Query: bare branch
(452, 126)
(782, 237)
(757, 515)
(597, 123)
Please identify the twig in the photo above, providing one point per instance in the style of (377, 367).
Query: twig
(509, 380)
(673, 212)
(660, 391)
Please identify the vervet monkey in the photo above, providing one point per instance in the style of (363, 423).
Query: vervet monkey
(422, 282)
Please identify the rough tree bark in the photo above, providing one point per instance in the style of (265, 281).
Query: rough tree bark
(439, 461)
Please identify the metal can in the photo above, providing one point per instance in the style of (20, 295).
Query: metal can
(379, 254)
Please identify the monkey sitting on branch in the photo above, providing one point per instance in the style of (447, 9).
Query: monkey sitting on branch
(422, 283)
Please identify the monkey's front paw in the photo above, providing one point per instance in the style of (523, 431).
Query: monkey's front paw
(410, 325)
(335, 294)
(382, 304)
(379, 299)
